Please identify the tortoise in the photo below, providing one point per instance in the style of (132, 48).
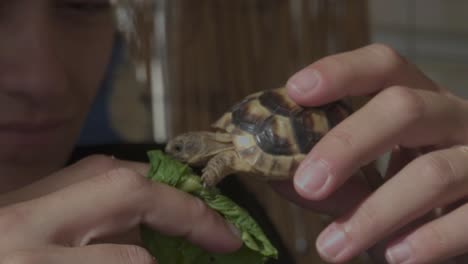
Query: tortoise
(266, 135)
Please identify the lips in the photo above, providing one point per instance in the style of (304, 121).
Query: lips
(30, 127)
(31, 133)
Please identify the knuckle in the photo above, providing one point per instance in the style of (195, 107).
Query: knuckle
(199, 212)
(404, 103)
(342, 137)
(439, 170)
(199, 209)
(12, 218)
(135, 254)
(123, 178)
(22, 257)
(430, 239)
(335, 62)
(387, 54)
(367, 218)
(99, 161)
(331, 61)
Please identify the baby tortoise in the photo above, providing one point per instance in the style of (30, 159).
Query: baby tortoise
(266, 134)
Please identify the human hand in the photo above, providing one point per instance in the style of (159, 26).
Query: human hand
(61, 218)
(408, 112)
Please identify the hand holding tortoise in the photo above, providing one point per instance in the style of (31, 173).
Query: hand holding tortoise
(427, 126)
(423, 124)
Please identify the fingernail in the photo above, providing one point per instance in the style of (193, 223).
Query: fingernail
(304, 81)
(332, 242)
(313, 177)
(234, 230)
(399, 253)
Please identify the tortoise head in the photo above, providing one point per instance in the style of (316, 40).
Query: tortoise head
(195, 148)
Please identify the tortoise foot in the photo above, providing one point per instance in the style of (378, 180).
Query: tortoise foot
(219, 167)
(209, 177)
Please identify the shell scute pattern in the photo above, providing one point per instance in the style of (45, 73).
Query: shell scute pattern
(309, 126)
(224, 123)
(273, 134)
(250, 115)
(278, 102)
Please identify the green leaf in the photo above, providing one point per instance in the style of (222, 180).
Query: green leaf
(172, 250)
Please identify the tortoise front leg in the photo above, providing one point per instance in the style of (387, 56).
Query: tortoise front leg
(221, 165)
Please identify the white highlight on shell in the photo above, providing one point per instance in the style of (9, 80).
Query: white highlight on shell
(245, 141)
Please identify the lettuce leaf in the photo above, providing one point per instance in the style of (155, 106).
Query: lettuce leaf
(257, 248)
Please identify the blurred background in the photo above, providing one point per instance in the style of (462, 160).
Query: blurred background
(179, 64)
(431, 33)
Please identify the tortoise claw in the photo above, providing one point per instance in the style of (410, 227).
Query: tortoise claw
(209, 179)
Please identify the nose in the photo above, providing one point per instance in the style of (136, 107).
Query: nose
(30, 62)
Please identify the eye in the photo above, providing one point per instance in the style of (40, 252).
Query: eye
(178, 148)
(85, 6)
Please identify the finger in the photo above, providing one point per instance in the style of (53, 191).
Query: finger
(428, 182)
(341, 201)
(96, 254)
(434, 242)
(400, 157)
(89, 167)
(122, 199)
(363, 137)
(96, 165)
(361, 72)
(377, 251)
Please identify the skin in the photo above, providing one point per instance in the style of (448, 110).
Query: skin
(197, 148)
(53, 56)
(52, 59)
(425, 129)
(212, 150)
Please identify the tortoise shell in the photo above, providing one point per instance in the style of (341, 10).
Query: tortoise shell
(273, 134)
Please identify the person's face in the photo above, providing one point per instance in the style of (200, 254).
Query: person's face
(53, 56)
